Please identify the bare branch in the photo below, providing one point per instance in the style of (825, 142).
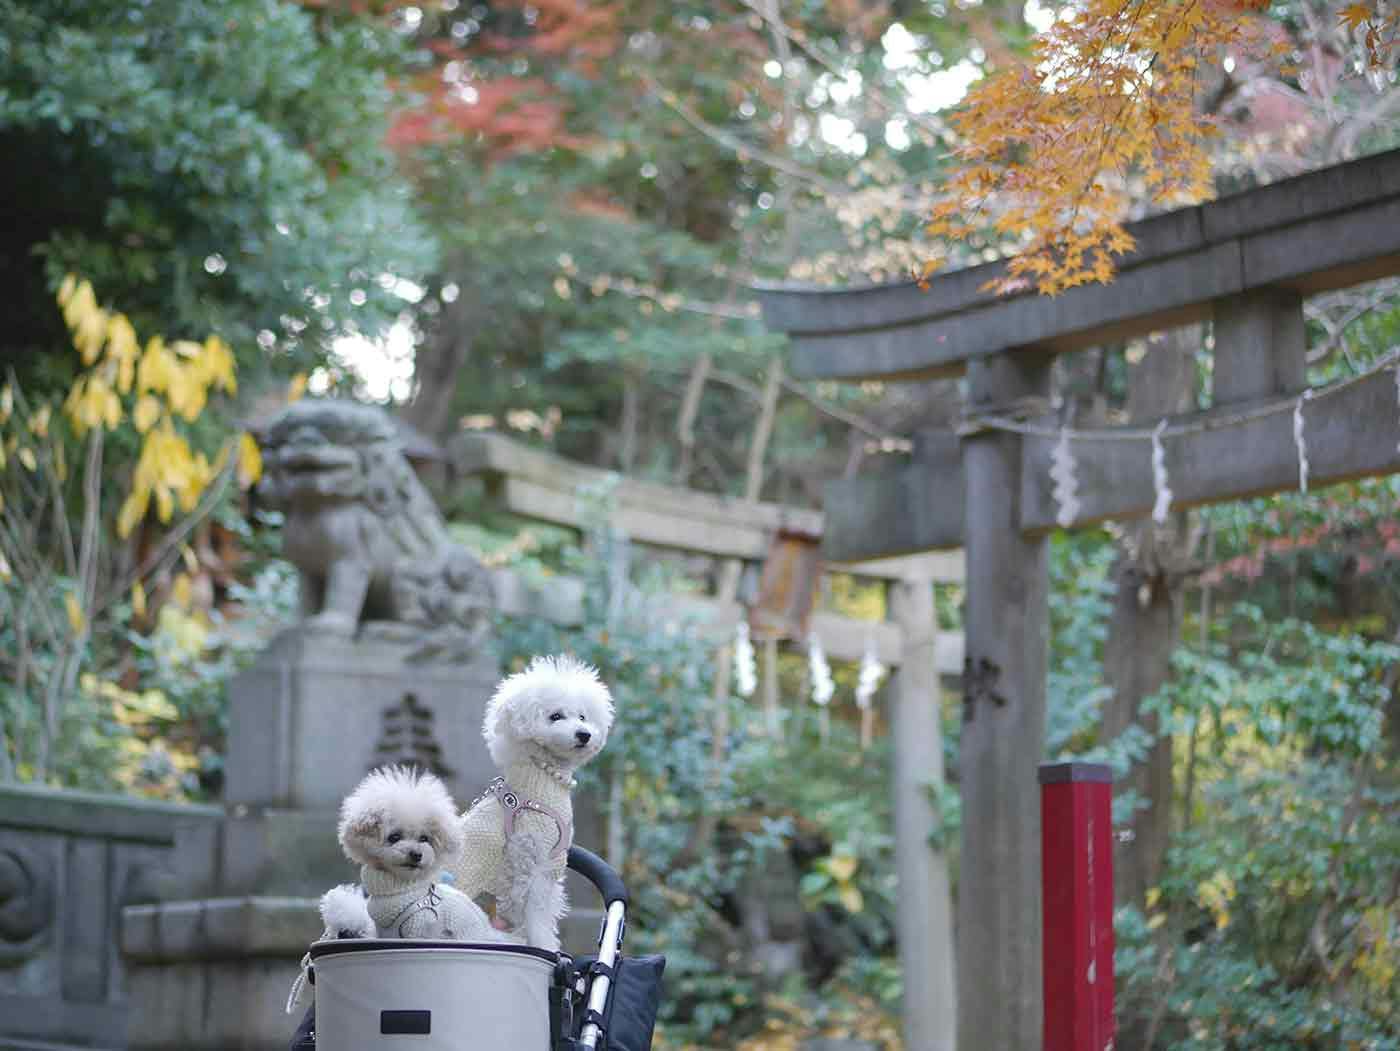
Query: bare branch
(734, 143)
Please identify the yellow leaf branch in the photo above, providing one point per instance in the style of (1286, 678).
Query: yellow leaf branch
(1052, 150)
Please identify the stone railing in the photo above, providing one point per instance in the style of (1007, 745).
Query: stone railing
(69, 863)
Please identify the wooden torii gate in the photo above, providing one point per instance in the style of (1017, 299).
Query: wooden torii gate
(1244, 262)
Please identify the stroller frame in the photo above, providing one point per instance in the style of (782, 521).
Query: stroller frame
(614, 928)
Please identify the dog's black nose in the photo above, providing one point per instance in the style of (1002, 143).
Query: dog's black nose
(415, 856)
(583, 736)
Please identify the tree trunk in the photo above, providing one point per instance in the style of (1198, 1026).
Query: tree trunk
(630, 424)
(1146, 622)
(437, 369)
(685, 423)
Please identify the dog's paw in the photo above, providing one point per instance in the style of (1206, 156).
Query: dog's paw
(345, 912)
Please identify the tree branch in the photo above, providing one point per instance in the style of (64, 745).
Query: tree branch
(732, 142)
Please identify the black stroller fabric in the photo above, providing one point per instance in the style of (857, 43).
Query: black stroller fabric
(305, 1037)
(633, 1002)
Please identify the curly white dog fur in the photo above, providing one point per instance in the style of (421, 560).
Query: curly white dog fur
(344, 914)
(541, 725)
(401, 826)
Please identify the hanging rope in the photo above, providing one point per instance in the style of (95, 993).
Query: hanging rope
(976, 422)
(1063, 469)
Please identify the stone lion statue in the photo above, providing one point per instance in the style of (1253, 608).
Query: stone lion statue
(369, 544)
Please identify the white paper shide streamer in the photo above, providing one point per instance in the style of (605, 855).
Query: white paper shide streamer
(1300, 441)
(872, 672)
(822, 685)
(1066, 488)
(745, 666)
(1163, 504)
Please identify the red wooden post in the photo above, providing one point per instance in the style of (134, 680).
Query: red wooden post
(1076, 864)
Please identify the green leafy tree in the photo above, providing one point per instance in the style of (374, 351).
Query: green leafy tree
(212, 166)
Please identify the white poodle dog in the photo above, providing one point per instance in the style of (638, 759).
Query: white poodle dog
(541, 725)
(401, 826)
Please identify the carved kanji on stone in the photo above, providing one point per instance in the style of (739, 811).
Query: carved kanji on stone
(407, 738)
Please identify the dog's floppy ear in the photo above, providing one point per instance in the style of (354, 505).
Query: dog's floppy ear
(604, 709)
(367, 825)
(499, 724)
(358, 828)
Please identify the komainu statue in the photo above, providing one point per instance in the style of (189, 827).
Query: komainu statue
(369, 544)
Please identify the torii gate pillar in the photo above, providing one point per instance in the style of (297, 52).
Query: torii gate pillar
(1003, 735)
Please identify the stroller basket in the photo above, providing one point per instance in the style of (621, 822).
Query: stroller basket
(455, 996)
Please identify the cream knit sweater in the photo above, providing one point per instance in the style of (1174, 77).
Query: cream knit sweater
(423, 908)
(485, 866)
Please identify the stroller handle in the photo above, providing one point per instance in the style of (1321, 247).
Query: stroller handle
(599, 873)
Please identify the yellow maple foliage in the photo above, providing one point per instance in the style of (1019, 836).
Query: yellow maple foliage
(1049, 150)
(152, 387)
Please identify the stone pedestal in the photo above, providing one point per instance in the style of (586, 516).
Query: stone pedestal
(309, 720)
(317, 712)
(214, 974)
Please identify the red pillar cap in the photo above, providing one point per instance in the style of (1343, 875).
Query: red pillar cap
(1055, 773)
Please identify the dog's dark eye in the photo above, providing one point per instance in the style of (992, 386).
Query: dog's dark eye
(394, 837)
(425, 839)
(556, 717)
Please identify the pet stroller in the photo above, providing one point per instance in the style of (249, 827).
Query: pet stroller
(384, 994)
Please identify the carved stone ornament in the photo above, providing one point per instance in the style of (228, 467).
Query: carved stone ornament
(406, 738)
(369, 544)
(26, 902)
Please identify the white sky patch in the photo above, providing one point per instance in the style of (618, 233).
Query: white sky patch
(407, 290)
(841, 133)
(1040, 18)
(382, 369)
(843, 90)
(901, 47)
(897, 134)
(931, 92)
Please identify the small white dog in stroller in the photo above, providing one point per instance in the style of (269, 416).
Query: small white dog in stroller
(401, 826)
(541, 725)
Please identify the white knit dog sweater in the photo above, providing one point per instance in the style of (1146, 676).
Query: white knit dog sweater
(524, 873)
(424, 908)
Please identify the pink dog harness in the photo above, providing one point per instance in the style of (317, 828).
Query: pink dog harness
(512, 805)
